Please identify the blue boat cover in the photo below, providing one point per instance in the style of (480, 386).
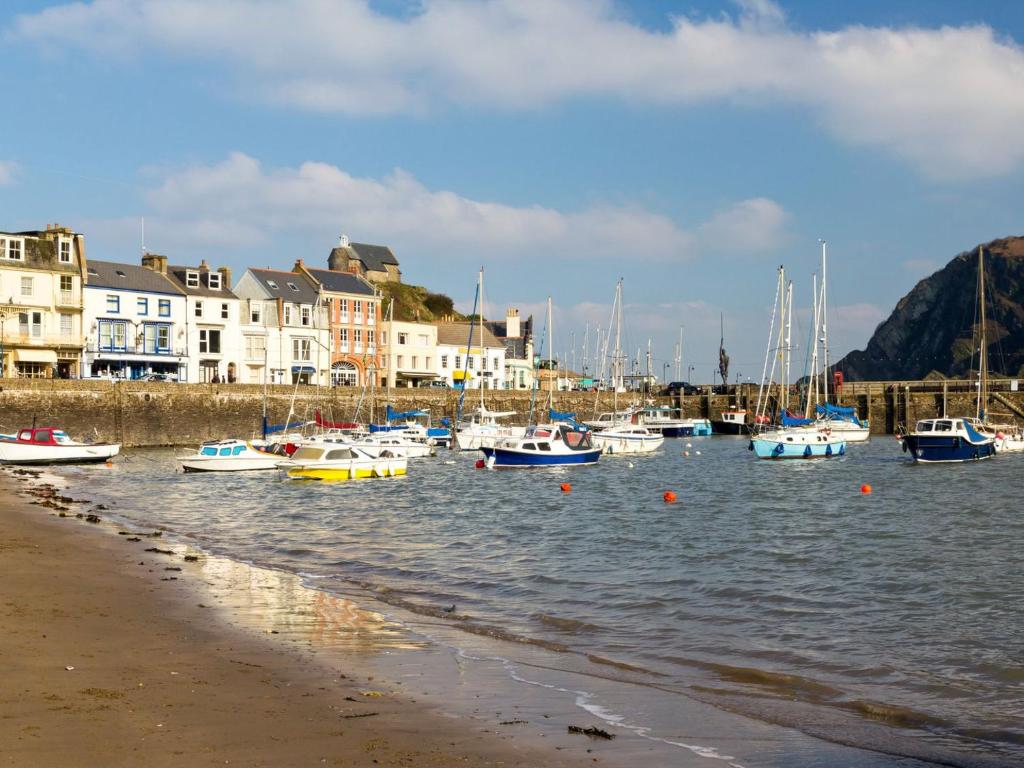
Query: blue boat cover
(559, 416)
(794, 421)
(393, 415)
(272, 428)
(973, 435)
(839, 413)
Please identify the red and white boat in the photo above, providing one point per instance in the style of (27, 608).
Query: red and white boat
(49, 445)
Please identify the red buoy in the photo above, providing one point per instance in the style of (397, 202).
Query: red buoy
(565, 487)
(480, 464)
(865, 489)
(669, 497)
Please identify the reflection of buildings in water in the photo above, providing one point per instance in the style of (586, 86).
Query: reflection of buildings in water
(266, 599)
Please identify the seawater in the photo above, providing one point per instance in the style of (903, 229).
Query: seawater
(774, 589)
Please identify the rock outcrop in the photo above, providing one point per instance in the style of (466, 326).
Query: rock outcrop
(934, 328)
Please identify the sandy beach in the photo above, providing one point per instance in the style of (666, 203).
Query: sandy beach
(109, 661)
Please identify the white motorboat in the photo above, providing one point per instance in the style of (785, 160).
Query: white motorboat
(384, 444)
(229, 456)
(329, 461)
(629, 438)
(483, 430)
(49, 445)
(610, 419)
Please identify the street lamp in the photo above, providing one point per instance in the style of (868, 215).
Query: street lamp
(664, 373)
(689, 374)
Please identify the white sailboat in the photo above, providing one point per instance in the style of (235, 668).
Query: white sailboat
(628, 437)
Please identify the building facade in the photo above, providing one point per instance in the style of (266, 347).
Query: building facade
(135, 323)
(517, 336)
(463, 361)
(41, 278)
(412, 353)
(375, 263)
(285, 323)
(212, 319)
(353, 311)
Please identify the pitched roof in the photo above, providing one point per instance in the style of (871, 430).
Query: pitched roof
(132, 277)
(342, 282)
(374, 256)
(456, 334)
(177, 275)
(289, 286)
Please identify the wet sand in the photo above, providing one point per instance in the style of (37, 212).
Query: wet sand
(109, 660)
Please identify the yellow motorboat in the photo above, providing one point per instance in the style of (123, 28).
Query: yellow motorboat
(326, 461)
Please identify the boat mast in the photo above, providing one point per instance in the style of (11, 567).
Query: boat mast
(551, 364)
(824, 319)
(617, 380)
(764, 391)
(786, 373)
(679, 356)
(483, 353)
(982, 351)
(812, 389)
(780, 347)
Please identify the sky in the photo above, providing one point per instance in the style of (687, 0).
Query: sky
(689, 148)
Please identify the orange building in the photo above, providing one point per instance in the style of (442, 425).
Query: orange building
(353, 306)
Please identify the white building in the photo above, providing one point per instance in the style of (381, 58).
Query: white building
(411, 357)
(285, 330)
(212, 319)
(41, 275)
(463, 360)
(134, 321)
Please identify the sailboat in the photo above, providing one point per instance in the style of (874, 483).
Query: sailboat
(561, 442)
(786, 440)
(958, 439)
(481, 428)
(629, 437)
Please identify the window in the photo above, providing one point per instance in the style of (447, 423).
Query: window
(358, 338)
(415, 362)
(192, 279)
(113, 335)
(469, 362)
(458, 362)
(14, 249)
(225, 311)
(65, 251)
(209, 341)
(403, 338)
(483, 362)
(113, 303)
(143, 306)
(369, 337)
(344, 306)
(305, 315)
(343, 336)
(400, 361)
(294, 287)
(357, 307)
(165, 307)
(383, 337)
(199, 308)
(287, 314)
(444, 362)
(272, 284)
(156, 338)
(26, 286)
(497, 363)
(255, 347)
(67, 324)
(31, 323)
(255, 313)
(426, 363)
(213, 280)
(424, 340)
(302, 350)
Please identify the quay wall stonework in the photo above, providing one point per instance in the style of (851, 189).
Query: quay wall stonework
(138, 414)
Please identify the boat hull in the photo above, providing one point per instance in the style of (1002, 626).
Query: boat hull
(343, 473)
(945, 449)
(218, 464)
(511, 457)
(22, 453)
(770, 448)
(729, 428)
(612, 444)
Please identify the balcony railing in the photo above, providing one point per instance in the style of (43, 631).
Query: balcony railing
(43, 340)
(131, 348)
(68, 298)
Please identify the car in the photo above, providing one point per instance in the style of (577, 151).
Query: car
(438, 384)
(157, 377)
(680, 387)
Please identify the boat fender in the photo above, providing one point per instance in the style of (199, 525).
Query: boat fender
(779, 448)
(904, 445)
(828, 450)
(842, 450)
(750, 445)
(807, 452)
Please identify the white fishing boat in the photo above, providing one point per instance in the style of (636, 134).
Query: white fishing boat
(628, 438)
(328, 461)
(50, 445)
(610, 419)
(731, 422)
(482, 429)
(670, 423)
(382, 444)
(229, 456)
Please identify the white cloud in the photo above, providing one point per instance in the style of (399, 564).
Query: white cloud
(239, 203)
(948, 100)
(8, 172)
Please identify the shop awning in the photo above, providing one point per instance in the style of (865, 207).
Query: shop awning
(460, 375)
(303, 369)
(36, 356)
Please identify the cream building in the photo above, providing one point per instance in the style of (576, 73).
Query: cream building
(473, 364)
(41, 278)
(411, 355)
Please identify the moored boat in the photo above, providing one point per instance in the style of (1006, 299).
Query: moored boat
(49, 445)
(947, 440)
(482, 429)
(544, 445)
(731, 422)
(797, 443)
(326, 461)
(229, 456)
(670, 423)
(628, 438)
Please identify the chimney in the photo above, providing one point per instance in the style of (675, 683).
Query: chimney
(203, 266)
(343, 241)
(225, 277)
(155, 262)
(298, 265)
(512, 326)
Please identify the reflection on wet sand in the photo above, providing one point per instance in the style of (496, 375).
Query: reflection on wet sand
(272, 601)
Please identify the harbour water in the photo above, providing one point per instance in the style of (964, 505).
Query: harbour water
(891, 621)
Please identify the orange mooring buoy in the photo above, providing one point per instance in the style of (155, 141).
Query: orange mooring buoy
(865, 488)
(565, 487)
(480, 464)
(669, 497)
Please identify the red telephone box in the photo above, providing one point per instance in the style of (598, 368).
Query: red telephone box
(837, 381)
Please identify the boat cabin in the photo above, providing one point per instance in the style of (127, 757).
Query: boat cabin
(734, 417)
(540, 438)
(44, 436)
(940, 425)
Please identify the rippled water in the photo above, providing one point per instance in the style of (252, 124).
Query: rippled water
(778, 582)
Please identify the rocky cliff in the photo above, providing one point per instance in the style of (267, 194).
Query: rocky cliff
(934, 327)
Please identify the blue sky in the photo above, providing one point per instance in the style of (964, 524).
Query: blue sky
(688, 147)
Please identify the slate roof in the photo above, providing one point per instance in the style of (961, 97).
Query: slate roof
(303, 293)
(177, 275)
(374, 257)
(110, 274)
(456, 334)
(342, 282)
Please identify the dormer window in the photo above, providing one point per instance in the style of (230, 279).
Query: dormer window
(294, 287)
(213, 280)
(120, 273)
(272, 284)
(12, 249)
(65, 251)
(192, 279)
